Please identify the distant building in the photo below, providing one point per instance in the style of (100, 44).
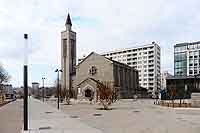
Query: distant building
(8, 91)
(35, 88)
(164, 76)
(146, 59)
(187, 59)
(35, 85)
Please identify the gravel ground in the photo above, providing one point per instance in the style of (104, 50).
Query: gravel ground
(11, 117)
(141, 116)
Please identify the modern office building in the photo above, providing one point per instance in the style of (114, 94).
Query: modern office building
(187, 59)
(146, 59)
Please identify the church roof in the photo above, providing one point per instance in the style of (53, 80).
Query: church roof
(92, 79)
(68, 21)
(113, 61)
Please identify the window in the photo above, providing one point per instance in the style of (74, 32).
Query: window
(151, 70)
(195, 71)
(190, 72)
(64, 47)
(150, 74)
(93, 70)
(191, 46)
(182, 48)
(150, 88)
(150, 61)
(151, 65)
(150, 52)
(151, 56)
(150, 79)
(151, 84)
(180, 56)
(144, 48)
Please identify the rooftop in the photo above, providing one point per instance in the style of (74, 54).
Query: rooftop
(186, 43)
(135, 47)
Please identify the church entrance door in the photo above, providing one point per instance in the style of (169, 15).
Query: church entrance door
(88, 93)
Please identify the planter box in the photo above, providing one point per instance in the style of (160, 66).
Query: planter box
(195, 100)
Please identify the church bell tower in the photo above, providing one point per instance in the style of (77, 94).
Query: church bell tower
(68, 55)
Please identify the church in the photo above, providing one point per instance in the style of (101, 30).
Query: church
(81, 80)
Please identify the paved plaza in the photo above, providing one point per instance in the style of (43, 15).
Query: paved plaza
(11, 117)
(44, 118)
(126, 116)
(140, 116)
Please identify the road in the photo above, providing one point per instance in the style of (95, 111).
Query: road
(11, 117)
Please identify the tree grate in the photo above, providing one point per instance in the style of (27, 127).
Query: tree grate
(44, 128)
(97, 114)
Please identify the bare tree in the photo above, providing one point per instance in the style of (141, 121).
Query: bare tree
(172, 93)
(106, 94)
(4, 77)
(65, 95)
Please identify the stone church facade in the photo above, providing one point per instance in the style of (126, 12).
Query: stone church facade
(96, 68)
(82, 79)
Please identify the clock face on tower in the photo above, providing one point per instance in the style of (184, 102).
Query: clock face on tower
(93, 70)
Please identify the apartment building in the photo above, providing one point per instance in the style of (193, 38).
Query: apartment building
(146, 59)
(187, 59)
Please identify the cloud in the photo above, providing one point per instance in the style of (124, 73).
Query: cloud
(100, 25)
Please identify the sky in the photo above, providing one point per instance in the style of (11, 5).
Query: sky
(101, 25)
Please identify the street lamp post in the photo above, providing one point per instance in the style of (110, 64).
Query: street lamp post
(58, 86)
(43, 87)
(26, 82)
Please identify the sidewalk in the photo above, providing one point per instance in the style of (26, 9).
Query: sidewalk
(44, 118)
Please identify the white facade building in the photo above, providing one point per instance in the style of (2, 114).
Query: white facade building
(146, 59)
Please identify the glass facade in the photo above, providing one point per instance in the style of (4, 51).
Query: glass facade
(180, 63)
(187, 59)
